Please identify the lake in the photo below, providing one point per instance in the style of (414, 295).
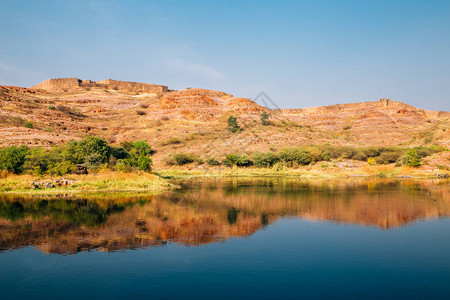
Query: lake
(265, 238)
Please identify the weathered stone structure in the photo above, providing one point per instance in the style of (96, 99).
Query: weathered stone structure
(58, 84)
(64, 84)
(133, 86)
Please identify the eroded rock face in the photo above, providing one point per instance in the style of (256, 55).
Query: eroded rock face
(203, 105)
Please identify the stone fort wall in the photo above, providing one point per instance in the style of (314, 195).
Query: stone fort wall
(133, 86)
(60, 84)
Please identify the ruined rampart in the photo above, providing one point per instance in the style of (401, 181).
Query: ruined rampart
(133, 86)
(63, 84)
(58, 84)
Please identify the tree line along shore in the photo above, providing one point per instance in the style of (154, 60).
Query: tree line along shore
(94, 155)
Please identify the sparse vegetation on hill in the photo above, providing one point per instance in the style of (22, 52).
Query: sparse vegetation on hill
(264, 117)
(233, 125)
(179, 159)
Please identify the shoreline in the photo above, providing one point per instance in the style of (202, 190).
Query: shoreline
(109, 182)
(309, 172)
(161, 181)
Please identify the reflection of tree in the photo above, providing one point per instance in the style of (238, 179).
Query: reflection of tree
(232, 215)
(210, 212)
(68, 211)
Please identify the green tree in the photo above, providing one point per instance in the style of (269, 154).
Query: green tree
(412, 159)
(92, 150)
(37, 161)
(233, 125)
(13, 158)
(140, 155)
(264, 117)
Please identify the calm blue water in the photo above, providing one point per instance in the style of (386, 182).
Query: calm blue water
(290, 258)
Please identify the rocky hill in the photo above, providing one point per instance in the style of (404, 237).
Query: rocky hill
(195, 120)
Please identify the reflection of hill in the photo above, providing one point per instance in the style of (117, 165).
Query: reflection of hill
(210, 212)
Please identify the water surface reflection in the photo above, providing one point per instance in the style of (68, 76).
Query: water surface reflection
(208, 211)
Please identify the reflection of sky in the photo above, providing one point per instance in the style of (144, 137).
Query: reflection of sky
(301, 53)
(291, 259)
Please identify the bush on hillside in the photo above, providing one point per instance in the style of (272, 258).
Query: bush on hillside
(264, 117)
(240, 160)
(233, 125)
(264, 159)
(180, 159)
(295, 155)
(412, 159)
(212, 161)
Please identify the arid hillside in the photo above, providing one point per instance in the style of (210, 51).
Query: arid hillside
(195, 120)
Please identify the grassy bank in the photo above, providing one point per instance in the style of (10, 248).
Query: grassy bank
(320, 171)
(116, 181)
(102, 182)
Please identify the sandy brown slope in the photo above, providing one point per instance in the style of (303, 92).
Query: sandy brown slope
(195, 120)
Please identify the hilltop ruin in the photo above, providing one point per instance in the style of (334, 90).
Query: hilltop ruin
(65, 84)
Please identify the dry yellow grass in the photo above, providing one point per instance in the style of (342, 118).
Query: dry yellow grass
(321, 170)
(105, 181)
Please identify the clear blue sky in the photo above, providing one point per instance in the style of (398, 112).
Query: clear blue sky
(301, 53)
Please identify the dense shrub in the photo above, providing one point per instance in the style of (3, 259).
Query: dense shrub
(295, 155)
(212, 161)
(37, 161)
(240, 160)
(388, 157)
(412, 159)
(371, 151)
(92, 152)
(318, 153)
(119, 153)
(180, 159)
(425, 151)
(61, 168)
(139, 155)
(123, 165)
(264, 159)
(13, 158)
(92, 149)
